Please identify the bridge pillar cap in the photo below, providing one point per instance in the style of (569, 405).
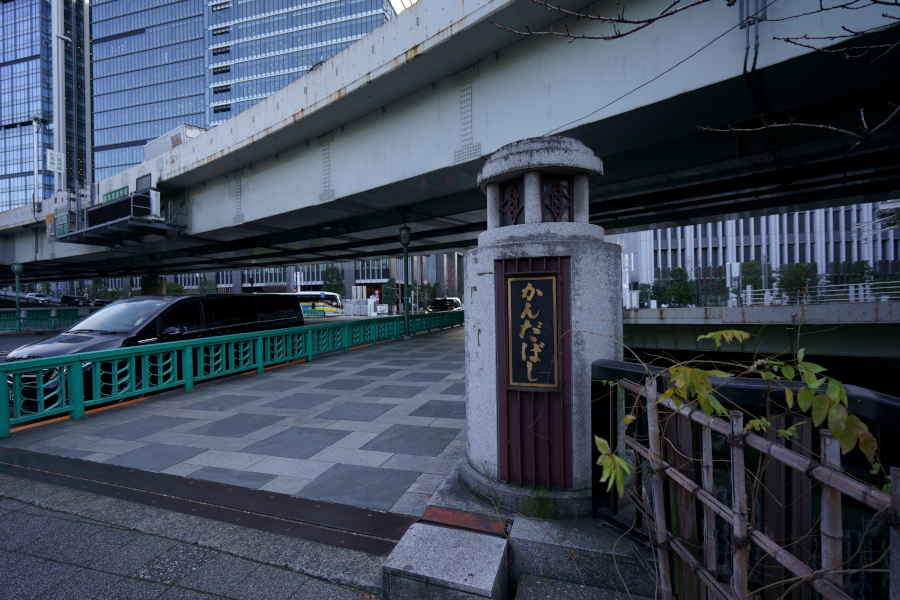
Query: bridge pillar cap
(552, 154)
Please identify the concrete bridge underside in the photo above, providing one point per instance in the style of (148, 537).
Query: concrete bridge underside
(864, 329)
(394, 129)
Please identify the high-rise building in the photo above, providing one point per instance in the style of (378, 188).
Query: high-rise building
(148, 75)
(257, 48)
(44, 68)
(161, 63)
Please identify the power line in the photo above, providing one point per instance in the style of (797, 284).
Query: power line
(676, 65)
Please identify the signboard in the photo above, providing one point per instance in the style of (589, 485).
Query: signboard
(48, 221)
(114, 195)
(531, 309)
(55, 161)
(322, 295)
(143, 182)
(61, 217)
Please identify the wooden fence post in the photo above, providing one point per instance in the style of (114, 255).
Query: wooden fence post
(832, 526)
(659, 505)
(740, 551)
(709, 517)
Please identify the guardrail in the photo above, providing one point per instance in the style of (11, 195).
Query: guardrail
(45, 387)
(42, 319)
(876, 291)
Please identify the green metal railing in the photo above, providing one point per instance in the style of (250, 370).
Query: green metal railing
(41, 319)
(313, 312)
(45, 387)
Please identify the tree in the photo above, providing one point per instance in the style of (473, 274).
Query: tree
(681, 292)
(644, 292)
(859, 271)
(659, 291)
(751, 274)
(333, 281)
(795, 278)
(390, 295)
(99, 288)
(174, 288)
(207, 286)
(437, 290)
(45, 288)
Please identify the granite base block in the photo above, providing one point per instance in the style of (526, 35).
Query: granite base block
(541, 588)
(438, 563)
(524, 500)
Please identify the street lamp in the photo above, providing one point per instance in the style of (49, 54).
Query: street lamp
(17, 269)
(404, 241)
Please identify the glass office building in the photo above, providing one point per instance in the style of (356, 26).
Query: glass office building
(32, 83)
(257, 48)
(148, 63)
(161, 63)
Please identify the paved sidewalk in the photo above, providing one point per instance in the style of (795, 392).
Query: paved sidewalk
(48, 554)
(379, 427)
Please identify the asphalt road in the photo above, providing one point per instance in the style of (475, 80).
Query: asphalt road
(11, 341)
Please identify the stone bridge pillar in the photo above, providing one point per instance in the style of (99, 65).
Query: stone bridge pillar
(543, 301)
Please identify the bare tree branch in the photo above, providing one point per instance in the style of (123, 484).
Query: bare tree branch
(860, 138)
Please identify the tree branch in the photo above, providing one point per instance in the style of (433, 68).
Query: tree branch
(862, 138)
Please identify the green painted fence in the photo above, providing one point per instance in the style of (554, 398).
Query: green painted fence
(41, 319)
(44, 387)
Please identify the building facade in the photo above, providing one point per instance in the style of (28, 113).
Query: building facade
(827, 238)
(161, 63)
(149, 75)
(44, 71)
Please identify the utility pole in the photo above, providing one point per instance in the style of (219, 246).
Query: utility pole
(404, 240)
(17, 269)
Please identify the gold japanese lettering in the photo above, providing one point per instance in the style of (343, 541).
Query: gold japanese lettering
(529, 291)
(527, 312)
(528, 365)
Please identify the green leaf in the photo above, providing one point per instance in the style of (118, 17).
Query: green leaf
(834, 389)
(805, 398)
(849, 436)
(837, 421)
(716, 373)
(875, 468)
(789, 398)
(886, 488)
(789, 432)
(820, 408)
(726, 334)
(767, 374)
(788, 372)
(812, 367)
(867, 442)
(628, 420)
(801, 353)
(761, 425)
(602, 445)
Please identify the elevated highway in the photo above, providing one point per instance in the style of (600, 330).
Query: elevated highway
(394, 129)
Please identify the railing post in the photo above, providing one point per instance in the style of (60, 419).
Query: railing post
(895, 530)
(4, 411)
(187, 367)
(740, 551)
(260, 354)
(659, 505)
(832, 526)
(345, 336)
(709, 517)
(76, 390)
(309, 345)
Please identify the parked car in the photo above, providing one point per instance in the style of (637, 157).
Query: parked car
(101, 302)
(151, 319)
(74, 301)
(39, 298)
(445, 304)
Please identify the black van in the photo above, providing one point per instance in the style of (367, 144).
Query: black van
(148, 319)
(73, 301)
